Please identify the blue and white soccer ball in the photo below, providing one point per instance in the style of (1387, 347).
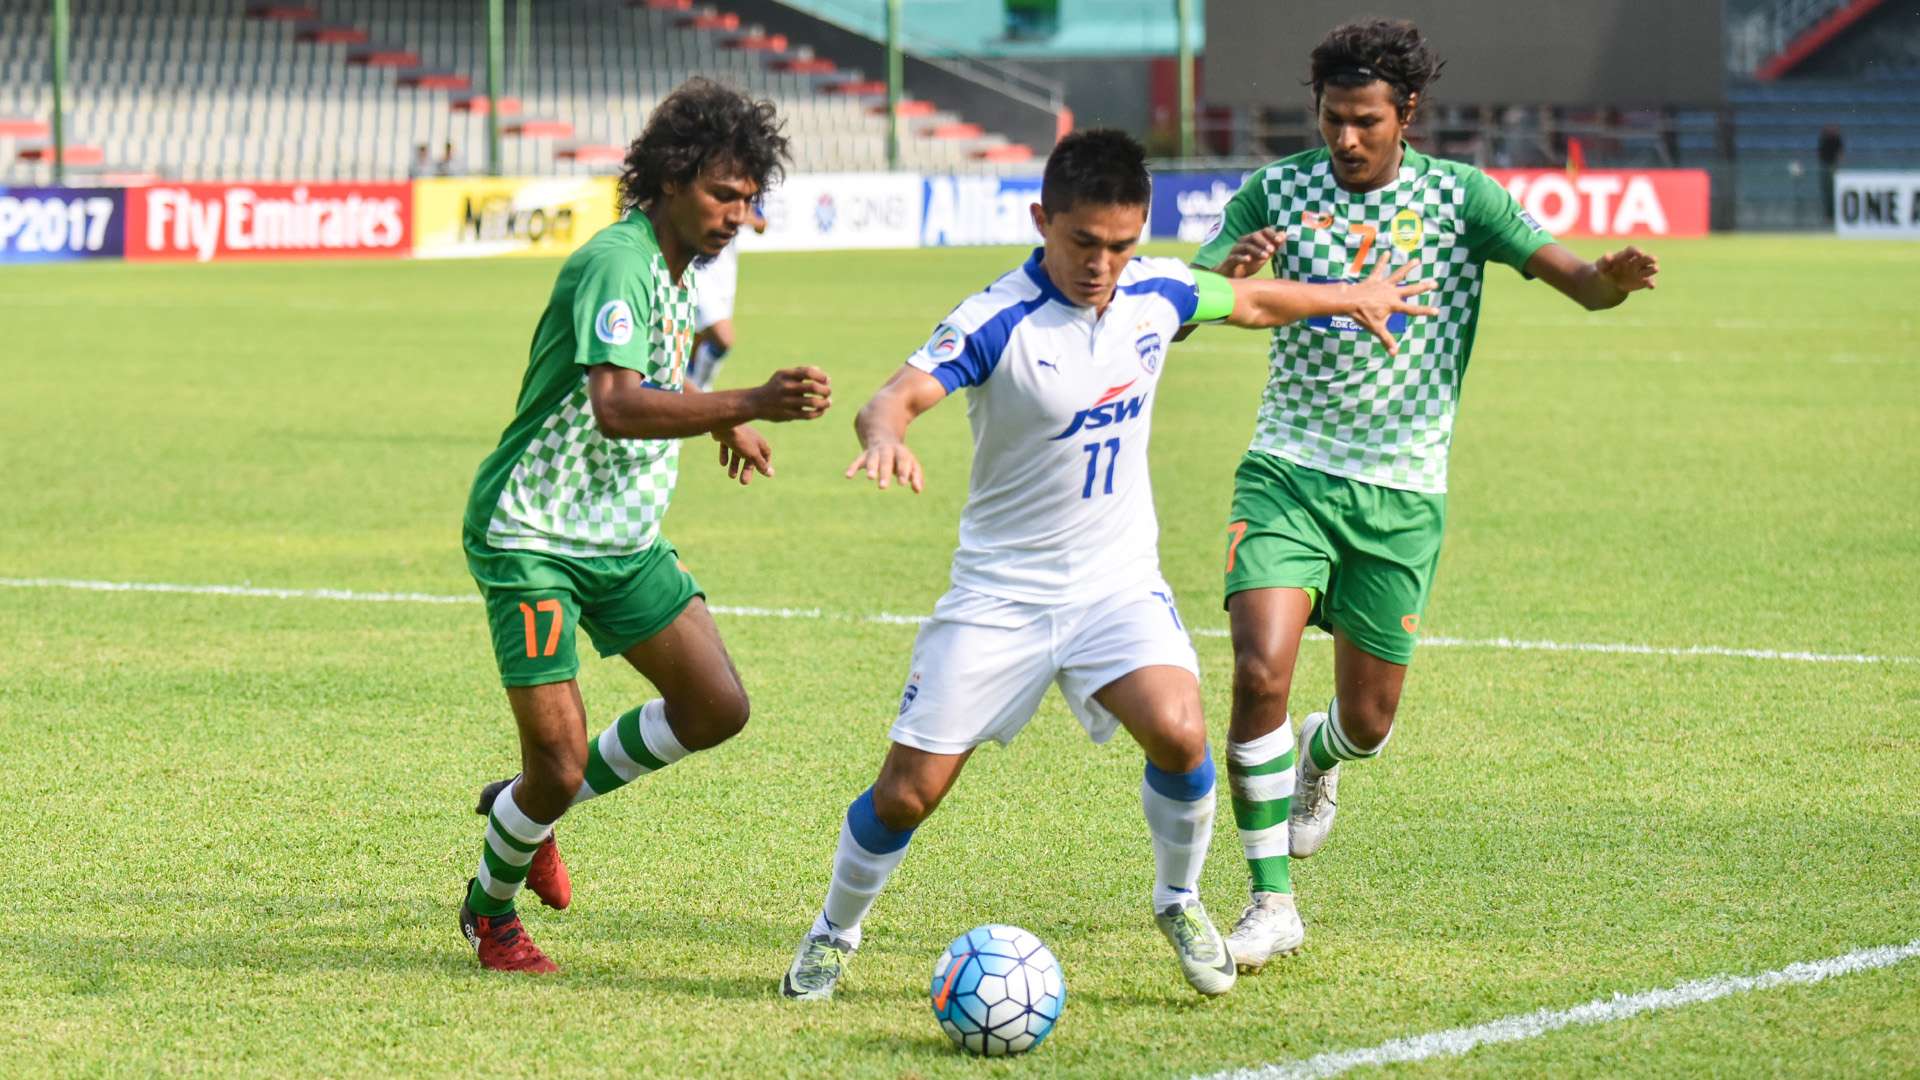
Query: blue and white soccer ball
(997, 990)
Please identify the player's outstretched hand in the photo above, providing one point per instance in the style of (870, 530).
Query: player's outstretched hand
(1251, 252)
(1382, 296)
(885, 462)
(744, 451)
(1630, 269)
(797, 393)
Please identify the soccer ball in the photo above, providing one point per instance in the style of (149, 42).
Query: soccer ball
(997, 990)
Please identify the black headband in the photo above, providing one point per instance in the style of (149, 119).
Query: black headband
(1360, 71)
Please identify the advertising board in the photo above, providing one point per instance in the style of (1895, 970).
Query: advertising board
(834, 211)
(55, 224)
(202, 222)
(1882, 204)
(478, 217)
(1612, 202)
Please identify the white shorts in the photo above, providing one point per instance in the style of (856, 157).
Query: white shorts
(981, 664)
(714, 287)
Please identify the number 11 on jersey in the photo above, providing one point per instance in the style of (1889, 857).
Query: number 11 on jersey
(1092, 450)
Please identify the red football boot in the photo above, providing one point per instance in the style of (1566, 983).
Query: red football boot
(502, 943)
(547, 875)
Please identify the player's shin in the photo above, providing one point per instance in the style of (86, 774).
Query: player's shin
(1261, 774)
(512, 838)
(868, 853)
(638, 743)
(1179, 811)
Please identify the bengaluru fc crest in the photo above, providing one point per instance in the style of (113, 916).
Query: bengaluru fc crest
(1149, 348)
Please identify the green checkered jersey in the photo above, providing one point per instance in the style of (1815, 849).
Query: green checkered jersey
(555, 483)
(1335, 401)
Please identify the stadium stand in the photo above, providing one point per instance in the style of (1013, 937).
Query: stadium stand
(347, 89)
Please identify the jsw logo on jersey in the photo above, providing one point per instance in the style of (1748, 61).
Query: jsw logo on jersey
(1109, 410)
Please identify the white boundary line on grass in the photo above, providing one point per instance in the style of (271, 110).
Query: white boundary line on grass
(889, 618)
(1454, 1042)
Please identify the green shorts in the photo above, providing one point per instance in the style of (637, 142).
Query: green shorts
(535, 599)
(1367, 553)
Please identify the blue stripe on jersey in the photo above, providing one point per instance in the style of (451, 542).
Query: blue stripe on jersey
(1184, 296)
(985, 346)
(1183, 787)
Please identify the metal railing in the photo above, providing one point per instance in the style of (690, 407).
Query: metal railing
(1000, 76)
(1758, 37)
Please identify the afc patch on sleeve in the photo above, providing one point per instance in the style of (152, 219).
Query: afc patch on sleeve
(614, 324)
(946, 343)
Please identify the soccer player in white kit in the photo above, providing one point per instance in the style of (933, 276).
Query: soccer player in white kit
(1057, 578)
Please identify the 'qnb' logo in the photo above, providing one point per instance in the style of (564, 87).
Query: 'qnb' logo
(1108, 410)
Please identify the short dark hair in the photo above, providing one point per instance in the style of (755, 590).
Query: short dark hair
(703, 123)
(1393, 51)
(1098, 166)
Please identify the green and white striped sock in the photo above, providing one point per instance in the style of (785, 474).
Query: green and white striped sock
(512, 838)
(1329, 745)
(638, 743)
(1261, 776)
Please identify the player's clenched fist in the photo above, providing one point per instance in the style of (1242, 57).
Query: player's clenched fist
(798, 393)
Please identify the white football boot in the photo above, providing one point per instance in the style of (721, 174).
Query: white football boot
(1269, 928)
(817, 967)
(1204, 959)
(1313, 808)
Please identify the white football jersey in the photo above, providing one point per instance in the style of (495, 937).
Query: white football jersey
(1060, 506)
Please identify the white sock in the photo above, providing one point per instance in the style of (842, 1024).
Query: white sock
(637, 743)
(1179, 811)
(1260, 772)
(512, 837)
(859, 872)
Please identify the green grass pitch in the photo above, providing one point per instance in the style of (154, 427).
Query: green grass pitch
(238, 827)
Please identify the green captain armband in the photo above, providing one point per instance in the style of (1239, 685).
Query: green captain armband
(1216, 297)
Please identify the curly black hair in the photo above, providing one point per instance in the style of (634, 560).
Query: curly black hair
(700, 124)
(1393, 51)
(1101, 166)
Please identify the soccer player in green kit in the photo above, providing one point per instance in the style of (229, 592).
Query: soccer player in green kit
(563, 524)
(1340, 502)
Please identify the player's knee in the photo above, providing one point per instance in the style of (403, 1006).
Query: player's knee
(721, 717)
(1367, 720)
(1259, 680)
(900, 804)
(1182, 745)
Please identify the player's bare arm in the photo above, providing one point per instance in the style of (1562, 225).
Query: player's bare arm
(1597, 285)
(882, 428)
(1264, 304)
(1251, 252)
(626, 408)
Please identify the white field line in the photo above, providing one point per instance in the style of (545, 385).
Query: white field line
(1454, 1042)
(892, 619)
